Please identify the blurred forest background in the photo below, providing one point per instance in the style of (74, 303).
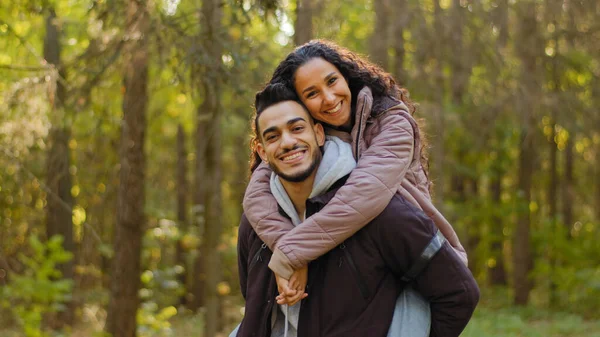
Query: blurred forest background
(124, 129)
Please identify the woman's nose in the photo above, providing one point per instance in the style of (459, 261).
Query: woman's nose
(328, 97)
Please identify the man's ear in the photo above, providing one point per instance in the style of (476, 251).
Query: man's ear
(260, 149)
(319, 134)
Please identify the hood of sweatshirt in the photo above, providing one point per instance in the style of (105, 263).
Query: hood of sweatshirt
(337, 162)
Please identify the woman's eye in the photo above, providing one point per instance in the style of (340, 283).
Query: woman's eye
(311, 94)
(332, 80)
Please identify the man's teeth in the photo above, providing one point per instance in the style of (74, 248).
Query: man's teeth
(294, 156)
(334, 110)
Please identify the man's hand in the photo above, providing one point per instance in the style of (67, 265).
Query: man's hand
(292, 291)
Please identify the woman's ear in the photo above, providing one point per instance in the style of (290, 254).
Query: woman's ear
(319, 133)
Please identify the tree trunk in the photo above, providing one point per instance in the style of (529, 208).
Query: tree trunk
(458, 58)
(379, 40)
(553, 11)
(522, 254)
(199, 209)
(400, 10)
(568, 184)
(438, 91)
(208, 168)
(502, 18)
(181, 208)
(59, 219)
(125, 277)
(303, 26)
(497, 272)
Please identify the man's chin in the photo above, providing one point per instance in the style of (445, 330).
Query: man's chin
(294, 177)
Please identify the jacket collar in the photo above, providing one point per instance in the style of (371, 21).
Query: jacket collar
(315, 204)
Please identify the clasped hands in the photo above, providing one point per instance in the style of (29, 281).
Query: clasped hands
(292, 291)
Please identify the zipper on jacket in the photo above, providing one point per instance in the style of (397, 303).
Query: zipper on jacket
(257, 257)
(361, 284)
(358, 140)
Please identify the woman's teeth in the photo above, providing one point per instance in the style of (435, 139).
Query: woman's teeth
(334, 110)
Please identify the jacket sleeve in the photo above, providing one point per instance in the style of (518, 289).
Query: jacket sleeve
(261, 208)
(446, 282)
(368, 190)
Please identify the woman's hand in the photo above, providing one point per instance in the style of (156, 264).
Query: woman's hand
(292, 291)
(462, 254)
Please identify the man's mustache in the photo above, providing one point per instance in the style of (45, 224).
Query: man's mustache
(296, 147)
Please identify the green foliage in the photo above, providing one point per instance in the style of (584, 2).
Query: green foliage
(495, 317)
(161, 288)
(37, 291)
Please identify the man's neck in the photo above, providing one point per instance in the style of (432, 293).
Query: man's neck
(299, 193)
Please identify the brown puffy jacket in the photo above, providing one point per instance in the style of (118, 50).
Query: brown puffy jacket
(383, 142)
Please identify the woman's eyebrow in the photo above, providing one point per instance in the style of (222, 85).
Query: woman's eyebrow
(330, 75)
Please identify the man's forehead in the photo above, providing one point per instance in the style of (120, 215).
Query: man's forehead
(278, 115)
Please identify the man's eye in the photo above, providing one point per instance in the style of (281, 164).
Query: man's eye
(298, 128)
(332, 80)
(270, 138)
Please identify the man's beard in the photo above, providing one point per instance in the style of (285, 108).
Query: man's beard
(300, 176)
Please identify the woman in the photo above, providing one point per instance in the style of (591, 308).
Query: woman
(357, 101)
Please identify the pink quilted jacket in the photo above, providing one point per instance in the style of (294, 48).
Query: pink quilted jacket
(388, 163)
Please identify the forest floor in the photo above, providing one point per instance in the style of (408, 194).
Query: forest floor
(492, 318)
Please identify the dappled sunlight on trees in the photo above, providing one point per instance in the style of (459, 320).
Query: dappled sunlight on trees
(130, 140)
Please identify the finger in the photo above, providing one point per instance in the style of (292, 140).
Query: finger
(293, 283)
(287, 291)
(296, 299)
(283, 300)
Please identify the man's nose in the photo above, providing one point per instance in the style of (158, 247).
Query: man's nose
(288, 140)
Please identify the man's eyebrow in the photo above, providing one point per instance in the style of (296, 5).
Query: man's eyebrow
(270, 129)
(326, 78)
(294, 120)
(290, 122)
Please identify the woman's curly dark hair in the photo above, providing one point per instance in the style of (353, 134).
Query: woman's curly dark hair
(357, 71)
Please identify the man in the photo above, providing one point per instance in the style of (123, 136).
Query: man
(353, 288)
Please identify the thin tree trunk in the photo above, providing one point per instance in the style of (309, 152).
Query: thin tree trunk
(400, 10)
(181, 208)
(212, 107)
(59, 220)
(497, 272)
(568, 185)
(303, 26)
(553, 10)
(522, 254)
(440, 124)
(503, 23)
(379, 40)
(125, 277)
(553, 204)
(458, 58)
(199, 208)
(208, 167)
